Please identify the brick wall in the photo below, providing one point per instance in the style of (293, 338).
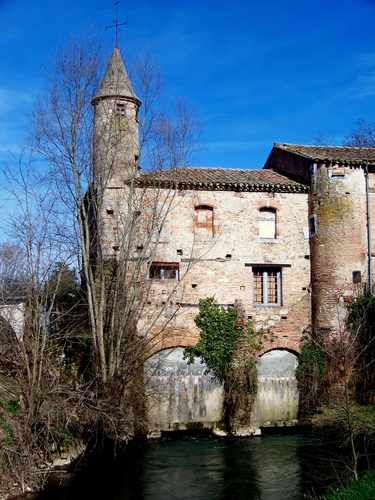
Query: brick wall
(220, 265)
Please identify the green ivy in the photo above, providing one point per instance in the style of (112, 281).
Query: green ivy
(311, 365)
(219, 334)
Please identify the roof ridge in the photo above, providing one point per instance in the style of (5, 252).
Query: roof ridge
(286, 144)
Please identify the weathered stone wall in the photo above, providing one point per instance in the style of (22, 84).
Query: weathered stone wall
(276, 402)
(220, 263)
(338, 248)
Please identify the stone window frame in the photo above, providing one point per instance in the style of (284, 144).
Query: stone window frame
(260, 274)
(267, 225)
(266, 286)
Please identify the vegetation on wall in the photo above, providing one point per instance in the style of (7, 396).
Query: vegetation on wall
(218, 336)
(310, 374)
(227, 345)
(340, 371)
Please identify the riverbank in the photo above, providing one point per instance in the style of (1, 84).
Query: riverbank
(364, 488)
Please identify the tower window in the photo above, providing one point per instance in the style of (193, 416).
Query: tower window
(356, 277)
(313, 229)
(120, 109)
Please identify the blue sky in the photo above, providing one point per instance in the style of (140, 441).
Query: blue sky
(259, 72)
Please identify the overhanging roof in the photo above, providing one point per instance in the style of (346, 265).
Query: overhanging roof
(331, 154)
(220, 179)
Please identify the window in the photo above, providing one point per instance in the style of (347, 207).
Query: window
(267, 286)
(204, 221)
(267, 223)
(164, 271)
(356, 277)
(337, 173)
(313, 229)
(120, 109)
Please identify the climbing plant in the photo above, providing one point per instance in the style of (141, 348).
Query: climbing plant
(218, 335)
(228, 345)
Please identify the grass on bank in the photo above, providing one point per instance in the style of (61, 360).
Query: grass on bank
(364, 489)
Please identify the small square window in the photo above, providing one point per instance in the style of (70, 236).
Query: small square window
(337, 173)
(357, 277)
(120, 109)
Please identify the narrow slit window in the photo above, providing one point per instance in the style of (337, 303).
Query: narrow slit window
(313, 228)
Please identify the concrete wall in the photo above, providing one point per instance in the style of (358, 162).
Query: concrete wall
(277, 398)
(181, 396)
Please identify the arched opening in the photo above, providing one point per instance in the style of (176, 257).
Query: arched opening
(180, 396)
(277, 397)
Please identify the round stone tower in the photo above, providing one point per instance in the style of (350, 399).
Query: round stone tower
(116, 148)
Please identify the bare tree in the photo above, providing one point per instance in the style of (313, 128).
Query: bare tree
(349, 375)
(362, 136)
(116, 222)
(34, 385)
(323, 139)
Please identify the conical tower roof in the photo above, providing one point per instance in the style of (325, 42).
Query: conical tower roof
(116, 82)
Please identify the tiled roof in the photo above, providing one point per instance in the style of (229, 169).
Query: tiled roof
(221, 179)
(332, 154)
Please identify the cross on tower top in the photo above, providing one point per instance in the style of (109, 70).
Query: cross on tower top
(116, 23)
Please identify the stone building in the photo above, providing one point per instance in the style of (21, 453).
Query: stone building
(288, 242)
(341, 207)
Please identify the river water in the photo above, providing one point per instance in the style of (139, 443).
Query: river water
(271, 467)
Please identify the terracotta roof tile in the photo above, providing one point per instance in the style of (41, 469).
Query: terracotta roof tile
(332, 154)
(221, 179)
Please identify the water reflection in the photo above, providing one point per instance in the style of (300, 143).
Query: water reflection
(275, 467)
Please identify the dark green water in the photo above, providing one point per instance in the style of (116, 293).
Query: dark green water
(273, 467)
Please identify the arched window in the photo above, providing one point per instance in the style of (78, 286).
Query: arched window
(204, 221)
(267, 223)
